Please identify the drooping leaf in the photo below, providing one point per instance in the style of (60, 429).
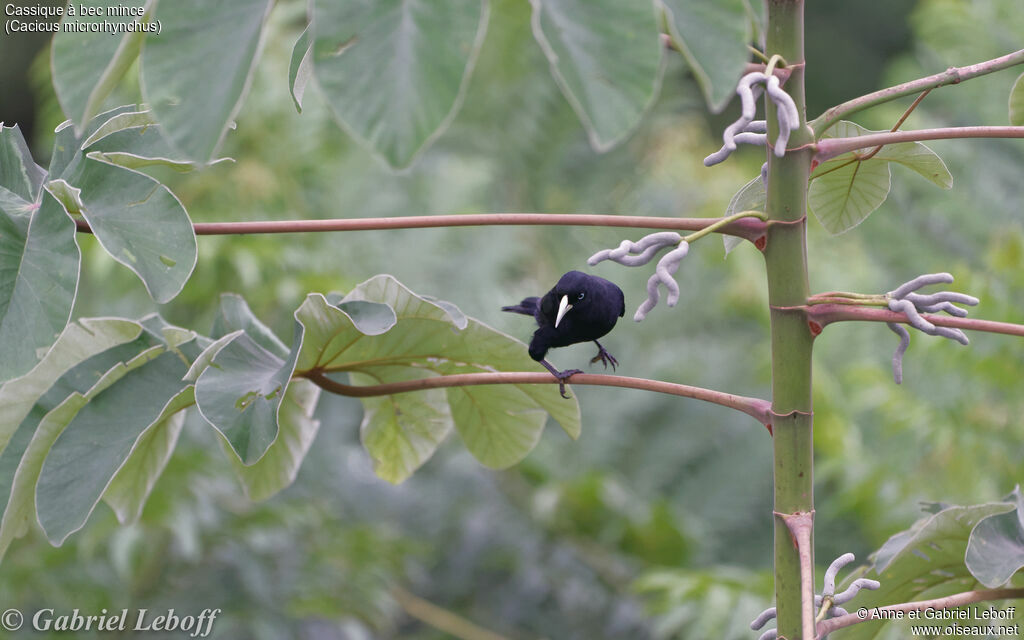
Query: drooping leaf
(67, 143)
(606, 56)
(296, 430)
(402, 431)
(21, 460)
(39, 265)
(120, 122)
(394, 72)
(713, 35)
(240, 394)
(751, 197)
(234, 315)
(845, 190)
(128, 491)
(87, 65)
(500, 424)
(996, 549)
(300, 69)
(79, 341)
(98, 439)
(19, 174)
(1017, 102)
(140, 223)
(925, 561)
(196, 72)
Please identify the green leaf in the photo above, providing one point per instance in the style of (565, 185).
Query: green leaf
(846, 195)
(120, 122)
(751, 197)
(140, 223)
(88, 65)
(500, 424)
(606, 56)
(296, 430)
(402, 431)
(996, 548)
(394, 72)
(100, 437)
(23, 456)
(240, 395)
(67, 144)
(844, 191)
(39, 263)
(196, 72)
(1017, 102)
(923, 562)
(234, 315)
(300, 69)
(127, 493)
(713, 36)
(19, 174)
(79, 341)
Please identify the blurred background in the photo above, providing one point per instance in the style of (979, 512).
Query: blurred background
(656, 523)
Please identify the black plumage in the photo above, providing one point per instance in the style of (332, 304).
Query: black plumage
(580, 308)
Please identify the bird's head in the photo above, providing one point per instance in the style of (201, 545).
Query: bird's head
(575, 290)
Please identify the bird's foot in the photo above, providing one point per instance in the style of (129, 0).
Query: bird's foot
(604, 357)
(561, 375)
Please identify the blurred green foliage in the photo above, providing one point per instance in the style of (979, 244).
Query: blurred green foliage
(673, 492)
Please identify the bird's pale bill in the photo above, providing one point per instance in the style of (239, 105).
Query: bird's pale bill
(563, 308)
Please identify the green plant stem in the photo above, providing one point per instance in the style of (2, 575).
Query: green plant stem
(948, 602)
(842, 297)
(440, 618)
(754, 407)
(791, 343)
(722, 222)
(953, 75)
(751, 229)
(831, 147)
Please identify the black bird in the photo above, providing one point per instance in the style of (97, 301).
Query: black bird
(579, 308)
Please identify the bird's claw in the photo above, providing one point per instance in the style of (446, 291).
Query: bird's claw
(604, 358)
(562, 377)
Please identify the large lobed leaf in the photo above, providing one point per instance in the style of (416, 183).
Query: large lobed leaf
(713, 35)
(606, 56)
(995, 551)
(87, 65)
(926, 561)
(75, 394)
(845, 190)
(264, 419)
(136, 219)
(195, 73)
(393, 72)
(499, 424)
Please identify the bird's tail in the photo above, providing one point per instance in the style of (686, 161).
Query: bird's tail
(527, 307)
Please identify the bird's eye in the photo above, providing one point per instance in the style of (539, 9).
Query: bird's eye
(580, 297)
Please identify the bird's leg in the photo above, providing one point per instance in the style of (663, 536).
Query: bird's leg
(605, 357)
(561, 375)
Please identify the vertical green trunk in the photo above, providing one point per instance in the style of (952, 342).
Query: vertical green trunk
(786, 265)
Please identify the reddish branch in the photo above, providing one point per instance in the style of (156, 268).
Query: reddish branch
(754, 407)
(953, 75)
(832, 147)
(747, 228)
(957, 600)
(825, 314)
